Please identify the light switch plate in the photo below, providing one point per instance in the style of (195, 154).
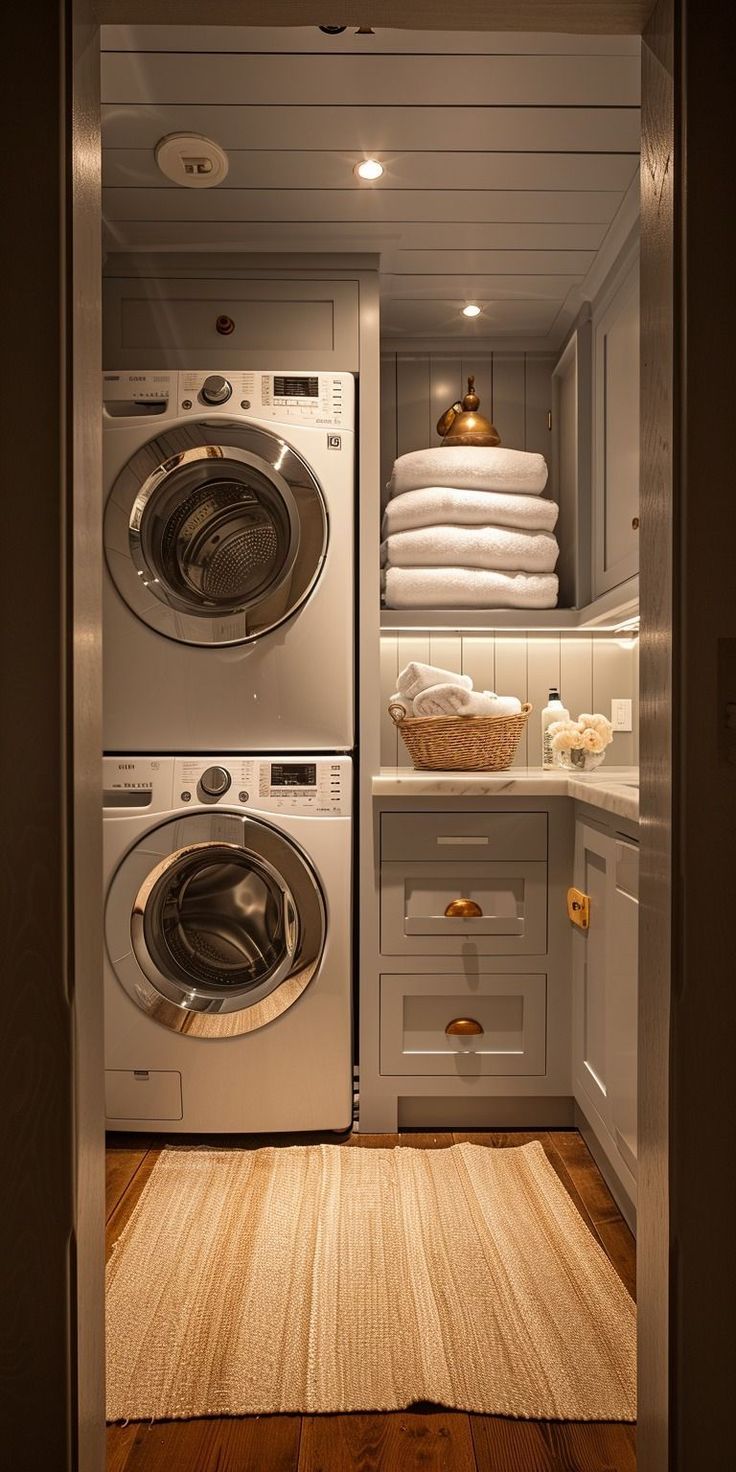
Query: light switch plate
(621, 715)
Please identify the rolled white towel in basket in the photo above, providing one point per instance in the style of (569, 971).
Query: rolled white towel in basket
(495, 547)
(450, 700)
(467, 587)
(472, 468)
(416, 677)
(446, 506)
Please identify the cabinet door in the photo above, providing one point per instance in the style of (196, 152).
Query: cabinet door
(623, 995)
(605, 991)
(571, 455)
(616, 437)
(593, 862)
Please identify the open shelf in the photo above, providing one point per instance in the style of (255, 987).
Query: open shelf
(605, 614)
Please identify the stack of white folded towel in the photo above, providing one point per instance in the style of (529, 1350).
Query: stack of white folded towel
(427, 690)
(467, 527)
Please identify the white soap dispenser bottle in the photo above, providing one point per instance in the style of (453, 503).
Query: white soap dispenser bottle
(554, 710)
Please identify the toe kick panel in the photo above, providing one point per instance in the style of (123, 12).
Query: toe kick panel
(445, 1025)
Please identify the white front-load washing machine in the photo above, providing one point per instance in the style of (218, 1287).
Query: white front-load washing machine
(229, 566)
(228, 943)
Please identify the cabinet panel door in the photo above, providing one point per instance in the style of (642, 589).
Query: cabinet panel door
(616, 435)
(593, 860)
(622, 1044)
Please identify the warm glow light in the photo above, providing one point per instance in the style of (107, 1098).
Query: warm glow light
(471, 310)
(369, 168)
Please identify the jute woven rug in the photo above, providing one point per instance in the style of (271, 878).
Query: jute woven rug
(320, 1278)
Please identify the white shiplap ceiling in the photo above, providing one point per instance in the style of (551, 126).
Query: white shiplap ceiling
(511, 160)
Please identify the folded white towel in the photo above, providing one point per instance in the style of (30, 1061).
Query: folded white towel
(498, 548)
(402, 700)
(470, 468)
(416, 677)
(445, 506)
(468, 587)
(449, 700)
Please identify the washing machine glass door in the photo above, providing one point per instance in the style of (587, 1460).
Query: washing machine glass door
(227, 928)
(215, 532)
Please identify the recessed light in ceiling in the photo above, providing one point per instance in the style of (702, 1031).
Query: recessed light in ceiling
(368, 168)
(191, 160)
(471, 310)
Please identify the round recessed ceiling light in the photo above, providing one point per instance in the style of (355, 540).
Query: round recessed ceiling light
(471, 310)
(368, 168)
(191, 159)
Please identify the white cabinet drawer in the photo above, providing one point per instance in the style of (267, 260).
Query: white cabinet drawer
(510, 1014)
(445, 836)
(511, 896)
(142, 1093)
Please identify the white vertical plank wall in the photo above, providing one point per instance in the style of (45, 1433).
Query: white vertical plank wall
(589, 670)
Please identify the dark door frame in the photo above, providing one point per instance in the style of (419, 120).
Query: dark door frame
(52, 1300)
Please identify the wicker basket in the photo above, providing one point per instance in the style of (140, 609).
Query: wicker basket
(460, 743)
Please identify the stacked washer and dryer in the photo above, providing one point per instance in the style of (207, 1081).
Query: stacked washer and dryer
(228, 655)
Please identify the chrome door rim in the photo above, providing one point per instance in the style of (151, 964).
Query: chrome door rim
(218, 446)
(181, 1008)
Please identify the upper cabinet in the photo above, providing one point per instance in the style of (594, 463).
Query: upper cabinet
(615, 504)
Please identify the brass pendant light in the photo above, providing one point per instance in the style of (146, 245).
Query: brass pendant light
(461, 424)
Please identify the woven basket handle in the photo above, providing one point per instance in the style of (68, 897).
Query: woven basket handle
(397, 713)
(525, 709)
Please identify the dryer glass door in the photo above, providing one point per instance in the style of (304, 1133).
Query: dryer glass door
(215, 533)
(225, 924)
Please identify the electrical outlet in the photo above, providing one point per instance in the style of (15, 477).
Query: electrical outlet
(621, 715)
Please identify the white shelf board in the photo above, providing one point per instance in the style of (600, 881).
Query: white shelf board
(603, 615)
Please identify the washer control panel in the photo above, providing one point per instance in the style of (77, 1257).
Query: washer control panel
(319, 786)
(317, 400)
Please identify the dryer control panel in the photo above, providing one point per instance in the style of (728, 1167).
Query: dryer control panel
(318, 400)
(309, 786)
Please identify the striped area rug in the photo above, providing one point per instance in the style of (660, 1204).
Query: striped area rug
(319, 1278)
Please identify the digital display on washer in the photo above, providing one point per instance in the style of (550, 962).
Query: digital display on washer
(296, 388)
(293, 774)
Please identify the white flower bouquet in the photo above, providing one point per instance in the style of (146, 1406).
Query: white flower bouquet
(581, 744)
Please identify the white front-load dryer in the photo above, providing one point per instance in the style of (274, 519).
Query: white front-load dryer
(228, 943)
(229, 567)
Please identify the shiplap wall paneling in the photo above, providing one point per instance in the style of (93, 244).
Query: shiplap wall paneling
(389, 671)
(589, 672)
(576, 675)
(543, 673)
(411, 647)
(511, 679)
(537, 411)
(388, 420)
(413, 399)
(613, 677)
(479, 660)
(446, 387)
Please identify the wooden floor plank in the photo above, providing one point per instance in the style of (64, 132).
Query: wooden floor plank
(127, 1204)
(592, 1446)
(583, 1170)
(120, 1168)
(404, 1441)
(118, 1446)
(242, 1444)
(512, 1446)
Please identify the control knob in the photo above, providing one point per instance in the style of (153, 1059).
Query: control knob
(215, 781)
(216, 389)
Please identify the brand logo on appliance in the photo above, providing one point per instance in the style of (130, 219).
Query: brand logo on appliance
(334, 441)
(126, 766)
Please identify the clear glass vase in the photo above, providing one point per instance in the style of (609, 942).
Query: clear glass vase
(581, 761)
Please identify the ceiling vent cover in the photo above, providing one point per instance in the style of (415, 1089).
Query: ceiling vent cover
(191, 160)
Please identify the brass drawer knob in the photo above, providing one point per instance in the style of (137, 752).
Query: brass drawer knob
(463, 909)
(463, 1027)
(635, 523)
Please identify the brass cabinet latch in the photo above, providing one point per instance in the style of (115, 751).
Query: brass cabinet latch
(578, 908)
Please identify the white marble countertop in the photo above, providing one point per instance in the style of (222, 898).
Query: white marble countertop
(614, 789)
